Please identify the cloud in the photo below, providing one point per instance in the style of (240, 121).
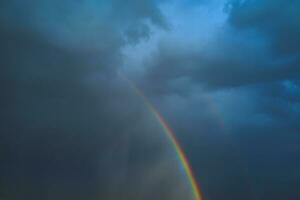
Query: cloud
(230, 60)
(224, 74)
(261, 15)
(70, 127)
(225, 48)
(239, 66)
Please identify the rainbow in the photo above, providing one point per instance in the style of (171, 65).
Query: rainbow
(172, 137)
(180, 153)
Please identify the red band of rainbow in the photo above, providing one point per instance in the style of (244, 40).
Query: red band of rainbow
(172, 137)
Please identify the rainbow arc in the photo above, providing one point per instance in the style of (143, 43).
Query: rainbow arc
(175, 143)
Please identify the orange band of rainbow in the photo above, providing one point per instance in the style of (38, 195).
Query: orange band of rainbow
(172, 137)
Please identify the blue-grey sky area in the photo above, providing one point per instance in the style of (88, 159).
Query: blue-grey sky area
(224, 74)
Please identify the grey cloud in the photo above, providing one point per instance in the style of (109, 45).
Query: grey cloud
(232, 61)
(70, 127)
(253, 62)
(258, 44)
(85, 24)
(277, 19)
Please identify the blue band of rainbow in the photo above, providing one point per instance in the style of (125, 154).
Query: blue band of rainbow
(172, 137)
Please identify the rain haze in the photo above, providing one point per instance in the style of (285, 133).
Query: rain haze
(150, 100)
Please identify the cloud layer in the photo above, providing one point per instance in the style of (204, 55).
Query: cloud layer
(70, 126)
(224, 74)
(228, 81)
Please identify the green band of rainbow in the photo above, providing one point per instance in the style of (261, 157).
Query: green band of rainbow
(172, 137)
(181, 155)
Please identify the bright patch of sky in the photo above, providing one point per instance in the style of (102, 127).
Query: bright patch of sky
(192, 25)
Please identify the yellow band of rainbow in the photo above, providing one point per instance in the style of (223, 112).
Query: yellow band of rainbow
(172, 137)
(181, 155)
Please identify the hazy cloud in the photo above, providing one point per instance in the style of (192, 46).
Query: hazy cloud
(70, 126)
(224, 74)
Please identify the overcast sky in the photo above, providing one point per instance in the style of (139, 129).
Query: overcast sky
(224, 74)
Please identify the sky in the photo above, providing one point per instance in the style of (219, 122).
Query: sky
(224, 74)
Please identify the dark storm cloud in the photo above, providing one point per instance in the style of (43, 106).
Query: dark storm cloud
(247, 76)
(258, 44)
(278, 20)
(70, 127)
(269, 143)
(270, 149)
(85, 23)
(232, 61)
